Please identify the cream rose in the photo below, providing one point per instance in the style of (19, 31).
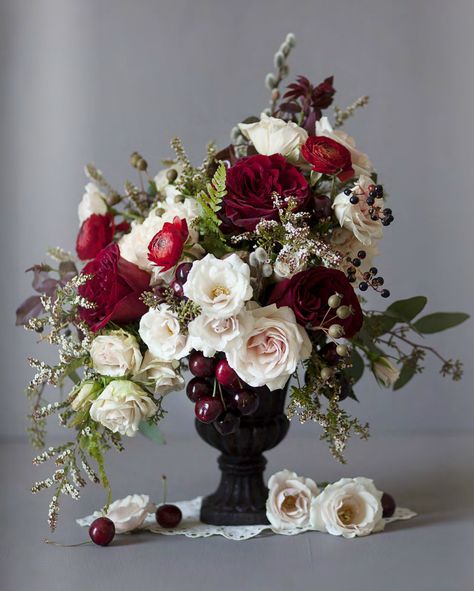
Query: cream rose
(347, 244)
(220, 286)
(121, 407)
(160, 331)
(130, 513)
(275, 136)
(86, 392)
(360, 161)
(385, 372)
(116, 354)
(209, 335)
(93, 201)
(356, 218)
(350, 507)
(289, 500)
(271, 346)
(164, 374)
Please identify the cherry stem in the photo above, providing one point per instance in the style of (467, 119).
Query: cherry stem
(164, 482)
(59, 545)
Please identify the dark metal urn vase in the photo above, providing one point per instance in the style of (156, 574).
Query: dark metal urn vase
(241, 495)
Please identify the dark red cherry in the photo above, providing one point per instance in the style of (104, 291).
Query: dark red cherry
(197, 388)
(177, 288)
(168, 516)
(227, 424)
(245, 401)
(225, 375)
(207, 409)
(102, 531)
(182, 272)
(388, 505)
(201, 366)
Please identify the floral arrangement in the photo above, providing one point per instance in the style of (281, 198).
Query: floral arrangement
(249, 270)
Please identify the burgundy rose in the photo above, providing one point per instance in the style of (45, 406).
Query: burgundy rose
(328, 157)
(250, 184)
(307, 294)
(166, 247)
(115, 289)
(95, 234)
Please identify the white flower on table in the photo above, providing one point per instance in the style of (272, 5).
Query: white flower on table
(350, 507)
(219, 286)
(161, 332)
(93, 201)
(289, 500)
(122, 406)
(164, 374)
(116, 354)
(130, 513)
(356, 217)
(209, 335)
(385, 372)
(270, 348)
(275, 136)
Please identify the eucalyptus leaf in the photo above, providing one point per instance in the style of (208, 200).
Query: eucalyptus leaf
(407, 372)
(406, 310)
(151, 432)
(439, 321)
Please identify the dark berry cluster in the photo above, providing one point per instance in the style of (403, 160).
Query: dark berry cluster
(218, 393)
(369, 278)
(376, 213)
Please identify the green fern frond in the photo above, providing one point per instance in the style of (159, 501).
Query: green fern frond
(210, 199)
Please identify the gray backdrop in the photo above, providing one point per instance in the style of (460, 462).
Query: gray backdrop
(93, 80)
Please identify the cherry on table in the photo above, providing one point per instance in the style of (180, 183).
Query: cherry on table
(201, 366)
(388, 505)
(227, 424)
(197, 388)
(168, 515)
(225, 375)
(102, 531)
(245, 401)
(208, 409)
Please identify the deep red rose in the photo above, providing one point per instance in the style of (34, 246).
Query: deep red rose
(328, 156)
(95, 234)
(307, 294)
(115, 289)
(250, 184)
(166, 247)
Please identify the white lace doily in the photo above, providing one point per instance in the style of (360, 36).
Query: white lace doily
(191, 527)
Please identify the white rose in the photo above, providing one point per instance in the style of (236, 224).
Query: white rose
(220, 286)
(271, 347)
(163, 374)
(130, 513)
(93, 201)
(356, 218)
(275, 136)
(345, 242)
(360, 161)
(84, 394)
(289, 500)
(116, 354)
(385, 372)
(121, 407)
(161, 332)
(350, 507)
(209, 335)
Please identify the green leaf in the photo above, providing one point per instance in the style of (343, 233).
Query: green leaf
(406, 310)
(151, 432)
(407, 372)
(439, 321)
(355, 372)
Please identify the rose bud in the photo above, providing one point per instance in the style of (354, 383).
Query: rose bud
(95, 234)
(166, 247)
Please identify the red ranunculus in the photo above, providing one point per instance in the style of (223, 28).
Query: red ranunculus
(250, 184)
(307, 294)
(115, 289)
(328, 157)
(95, 234)
(166, 247)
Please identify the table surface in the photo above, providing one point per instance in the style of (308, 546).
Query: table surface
(431, 474)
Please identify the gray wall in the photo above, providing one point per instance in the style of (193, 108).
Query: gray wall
(92, 80)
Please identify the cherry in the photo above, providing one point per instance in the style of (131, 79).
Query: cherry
(168, 515)
(227, 424)
(201, 366)
(197, 388)
(207, 409)
(102, 531)
(182, 272)
(245, 401)
(388, 505)
(177, 288)
(225, 375)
